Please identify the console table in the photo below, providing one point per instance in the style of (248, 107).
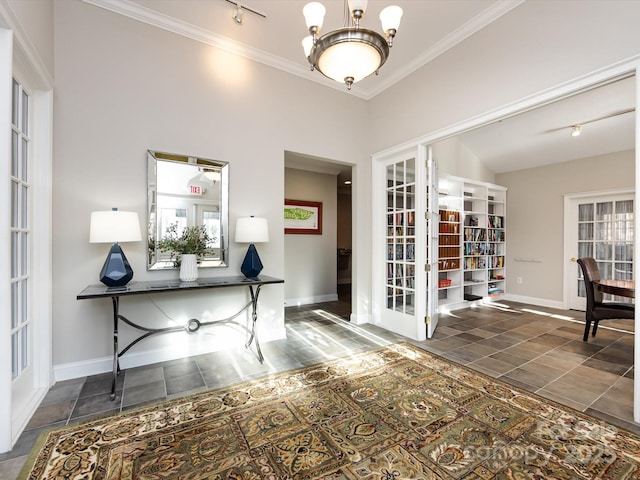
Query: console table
(161, 286)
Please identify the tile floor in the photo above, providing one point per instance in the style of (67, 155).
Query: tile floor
(538, 349)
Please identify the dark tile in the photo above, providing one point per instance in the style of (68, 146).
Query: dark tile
(469, 338)
(182, 383)
(98, 384)
(51, 414)
(96, 404)
(26, 441)
(513, 360)
(526, 377)
(497, 342)
(597, 364)
(580, 347)
(64, 391)
(550, 339)
(144, 393)
(178, 368)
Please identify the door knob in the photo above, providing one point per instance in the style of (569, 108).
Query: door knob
(574, 259)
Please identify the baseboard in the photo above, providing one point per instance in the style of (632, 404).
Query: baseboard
(360, 319)
(540, 302)
(96, 366)
(296, 302)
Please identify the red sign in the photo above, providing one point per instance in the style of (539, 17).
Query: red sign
(195, 189)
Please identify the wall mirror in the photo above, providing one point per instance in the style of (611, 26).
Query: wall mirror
(184, 191)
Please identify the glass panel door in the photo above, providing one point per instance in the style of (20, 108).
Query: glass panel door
(401, 236)
(21, 330)
(605, 232)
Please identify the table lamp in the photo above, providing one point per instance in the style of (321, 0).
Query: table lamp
(251, 230)
(114, 227)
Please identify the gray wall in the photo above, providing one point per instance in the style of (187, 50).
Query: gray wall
(123, 87)
(535, 217)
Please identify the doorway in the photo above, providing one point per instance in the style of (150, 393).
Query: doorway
(598, 225)
(318, 267)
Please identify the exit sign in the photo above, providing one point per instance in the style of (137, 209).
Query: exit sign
(195, 189)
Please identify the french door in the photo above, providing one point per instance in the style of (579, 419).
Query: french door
(25, 280)
(599, 226)
(404, 288)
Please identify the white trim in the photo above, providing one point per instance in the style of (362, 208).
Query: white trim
(541, 302)
(19, 55)
(134, 359)
(296, 302)
(6, 54)
(301, 69)
(26, 49)
(625, 68)
(360, 318)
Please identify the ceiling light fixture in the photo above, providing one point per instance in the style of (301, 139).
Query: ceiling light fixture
(351, 53)
(238, 12)
(576, 129)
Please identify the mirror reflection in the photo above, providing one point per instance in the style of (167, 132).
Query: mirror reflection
(186, 192)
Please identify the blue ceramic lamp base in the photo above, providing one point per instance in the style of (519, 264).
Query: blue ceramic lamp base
(251, 265)
(116, 271)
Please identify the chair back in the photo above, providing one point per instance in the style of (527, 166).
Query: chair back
(590, 273)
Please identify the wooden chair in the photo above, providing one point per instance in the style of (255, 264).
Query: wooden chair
(597, 309)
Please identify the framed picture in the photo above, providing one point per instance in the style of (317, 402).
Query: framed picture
(302, 217)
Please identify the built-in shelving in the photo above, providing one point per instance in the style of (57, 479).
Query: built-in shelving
(471, 263)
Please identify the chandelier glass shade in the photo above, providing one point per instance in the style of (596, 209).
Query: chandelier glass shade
(349, 54)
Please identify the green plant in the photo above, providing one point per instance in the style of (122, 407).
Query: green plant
(192, 240)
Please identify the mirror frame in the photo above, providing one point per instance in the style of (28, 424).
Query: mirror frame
(153, 235)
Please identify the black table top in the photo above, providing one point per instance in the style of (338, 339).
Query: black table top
(145, 287)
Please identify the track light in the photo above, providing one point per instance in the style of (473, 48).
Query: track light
(238, 14)
(239, 10)
(576, 130)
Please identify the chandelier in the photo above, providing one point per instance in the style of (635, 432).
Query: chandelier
(351, 53)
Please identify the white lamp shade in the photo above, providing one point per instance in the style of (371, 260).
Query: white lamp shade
(349, 59)
(114, 226)
(307, 45)
(314, 14)
(357, 5)
(390, 18)
(252, 230)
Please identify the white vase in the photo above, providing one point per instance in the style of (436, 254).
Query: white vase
(189, 268)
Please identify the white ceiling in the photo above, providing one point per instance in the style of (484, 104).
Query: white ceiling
(542, 136)
(428, 29)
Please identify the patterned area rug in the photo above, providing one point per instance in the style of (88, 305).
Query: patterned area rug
(394, 413)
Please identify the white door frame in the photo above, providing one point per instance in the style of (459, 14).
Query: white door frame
(19, 57)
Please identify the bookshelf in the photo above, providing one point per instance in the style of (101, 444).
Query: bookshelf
(496, 238)
(450, 242)
(471, 263)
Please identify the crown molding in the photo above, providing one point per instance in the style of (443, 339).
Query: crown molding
(146, 15)
(43, 76)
